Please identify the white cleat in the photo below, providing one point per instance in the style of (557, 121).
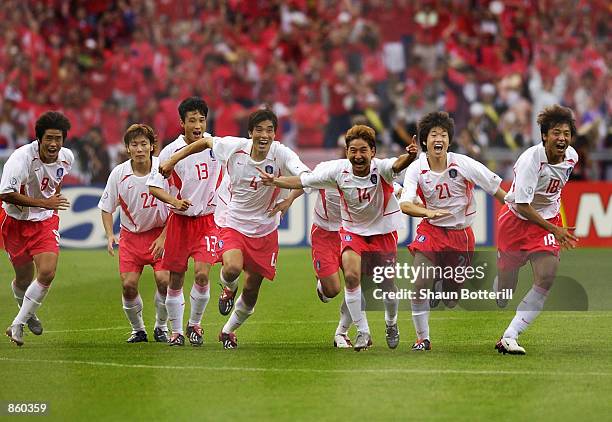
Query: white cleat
(342, 341)
(15, 333)
(510, 346)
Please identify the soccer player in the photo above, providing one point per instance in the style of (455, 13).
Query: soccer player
(30, 190)
(142, 236)
(191, 230)
(444, 182)
(529, 225)
(248, 238)
(370, 217)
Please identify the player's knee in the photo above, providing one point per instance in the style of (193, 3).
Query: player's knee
(351, 279)
(201, 278)
(330, 290)
(130, 291)
(231, 271)
(45, 276)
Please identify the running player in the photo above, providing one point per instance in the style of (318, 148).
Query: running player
(444, 182)
(142, 236)
(248, 237)
(191, 230)
(30, 191)
(530, 226)
(370, 216)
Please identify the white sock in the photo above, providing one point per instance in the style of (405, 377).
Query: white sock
(240, 314)
(320, 290)
(527, 311)
(345, 320)
(420, 319)
(17, 293)
(230, 284)
(199, 299)
(133, 312)
(391, 306)
(353, 303)
(175, 305)
(32, 299)
(161, 314)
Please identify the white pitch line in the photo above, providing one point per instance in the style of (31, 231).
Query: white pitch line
(312, 370)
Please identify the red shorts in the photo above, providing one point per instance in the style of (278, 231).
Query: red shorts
(443, 246)
(25, 239)
(518, 238)
(194, 237)
(326, 255)
(134, 251)
(378, 243)
(259, 253)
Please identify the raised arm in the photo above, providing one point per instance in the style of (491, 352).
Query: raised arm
(200, 145)
(404, 160)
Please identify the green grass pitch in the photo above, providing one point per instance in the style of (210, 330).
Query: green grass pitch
(286, 368)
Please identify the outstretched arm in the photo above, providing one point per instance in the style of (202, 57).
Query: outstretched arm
(415, 210)
(56, 202)
(200, 145)
(562, 234)
(283, 182)
(162, 195)
(500, 195)
(405, 159)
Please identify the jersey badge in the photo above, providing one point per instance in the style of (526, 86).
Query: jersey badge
(60, 172)
(269, 169)
(374, 179)
(348, 237)
(452, 173)
(220, 244)
(421, 238)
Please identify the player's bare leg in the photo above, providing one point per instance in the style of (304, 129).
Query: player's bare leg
(351, 264)
(46, 264)
(24, 274)
(328, 288)
(544, 267)
(245, 306)
(175, 305)
(132, 306)
(420, 307)
(506, 279)
(233, 262)
(199, 296)
(160, 332)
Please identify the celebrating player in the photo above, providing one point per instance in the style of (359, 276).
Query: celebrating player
(30, 190)
(529, 225)
(142, 236)
(444, 182)
(191, 230)
(370, 217)
(248, 237)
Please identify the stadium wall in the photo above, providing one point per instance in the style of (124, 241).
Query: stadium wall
(586, 205)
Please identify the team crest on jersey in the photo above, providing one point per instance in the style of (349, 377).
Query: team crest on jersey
(60, 172)
(220, 244)
(452, 173)
(14, 181)
(212, 154)
(421, 238)
(269, 169)
(348, 237)
(374, 179)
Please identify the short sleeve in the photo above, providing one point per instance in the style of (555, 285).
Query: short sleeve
(109, 200)
(292, 163)
(156, 179)
(479, 174)
(224, 147)
(411, 182)
(322, 177)
(525, 179)
(385, 168)
(14, 173)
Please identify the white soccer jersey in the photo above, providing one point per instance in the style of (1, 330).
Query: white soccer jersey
(327, 210)
(249, 200)
(450, 190)
(368, 206)
(194, 178)
(539, 183)
(25, 173)
(139, 210)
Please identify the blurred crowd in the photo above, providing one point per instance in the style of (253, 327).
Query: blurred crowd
(321, 65)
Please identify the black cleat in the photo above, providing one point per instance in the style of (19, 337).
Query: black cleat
(421, 345)
(138, 337)
(229, 340)
(160, 335)
(35, 325)
(176, 340)
(226, 301)
(195, 335)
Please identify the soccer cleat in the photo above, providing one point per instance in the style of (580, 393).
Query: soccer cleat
(362, 341)
(421, 345)
(437, 289)
(15, 333)
(226, 301)
(342, 341)
(229, 340)
(510, 346)
(392, 336)
(194, 334)
(160, 335)
(176, 340)
(138, 337)
(35, 325)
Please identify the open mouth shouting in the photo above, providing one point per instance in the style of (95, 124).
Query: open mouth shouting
(438, 146)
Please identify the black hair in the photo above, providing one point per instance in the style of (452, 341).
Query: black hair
(260, 116)
(52, 120)
(556, 115)
(432, 120)
(192, 104)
